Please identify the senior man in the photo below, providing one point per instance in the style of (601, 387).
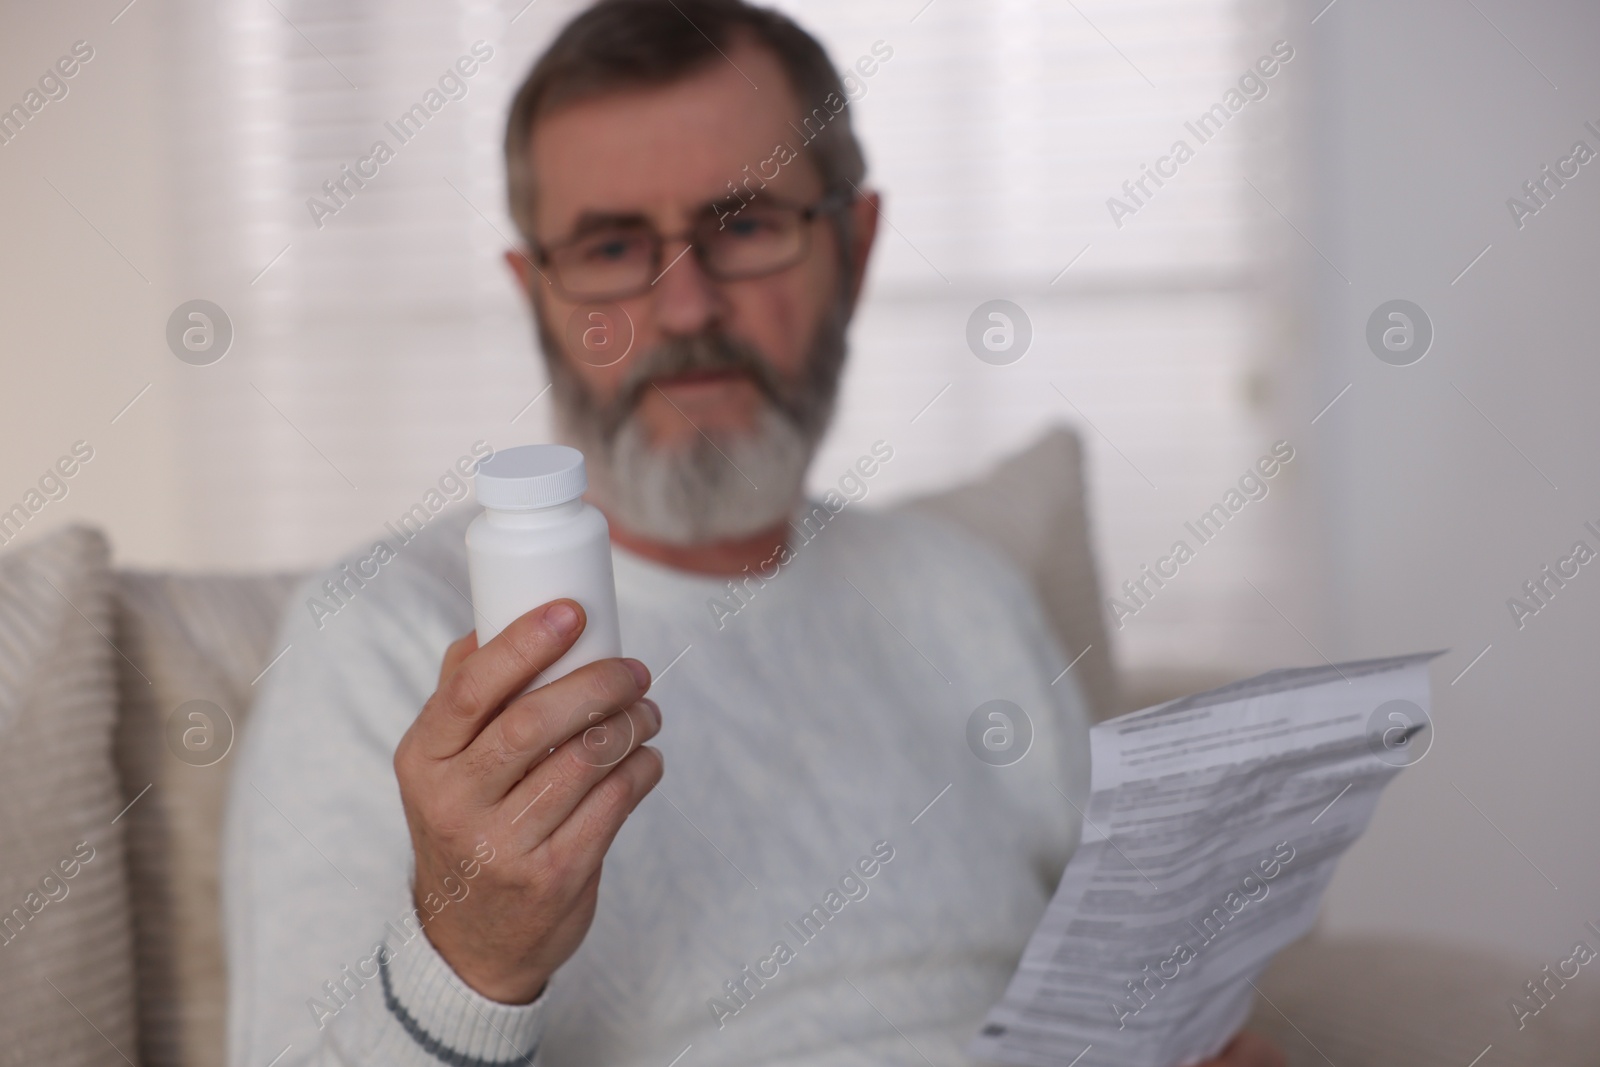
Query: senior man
(827, 875)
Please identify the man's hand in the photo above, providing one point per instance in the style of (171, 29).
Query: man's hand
(1249, 1050)
(545, 779)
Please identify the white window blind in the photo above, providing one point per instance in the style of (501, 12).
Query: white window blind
(375, 349)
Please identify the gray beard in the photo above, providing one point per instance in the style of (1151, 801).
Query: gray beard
(713, 490)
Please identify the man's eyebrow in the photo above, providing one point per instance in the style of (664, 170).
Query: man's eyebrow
(590, 221)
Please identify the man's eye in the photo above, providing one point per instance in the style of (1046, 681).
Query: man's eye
(750, 227)
(610, 249)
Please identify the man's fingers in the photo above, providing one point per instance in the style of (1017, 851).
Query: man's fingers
(548, 796)
(486, 678)
(580, 843)
(459, 649)
(534, 723)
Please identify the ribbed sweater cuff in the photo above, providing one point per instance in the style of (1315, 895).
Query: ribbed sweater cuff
(448, 1019)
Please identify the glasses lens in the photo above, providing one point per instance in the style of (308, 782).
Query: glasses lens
(759, 239)
(609, 261)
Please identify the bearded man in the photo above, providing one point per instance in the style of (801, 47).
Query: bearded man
(827, 875)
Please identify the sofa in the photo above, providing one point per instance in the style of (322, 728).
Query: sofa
(121, 692)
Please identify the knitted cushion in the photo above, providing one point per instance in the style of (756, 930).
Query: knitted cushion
(66, 954)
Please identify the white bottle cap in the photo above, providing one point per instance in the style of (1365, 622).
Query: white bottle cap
(531, 476)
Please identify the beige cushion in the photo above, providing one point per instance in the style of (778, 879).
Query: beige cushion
(195, 639)
(66, 954)
(1031, 507)
(1408, 1002)
(1156, 685)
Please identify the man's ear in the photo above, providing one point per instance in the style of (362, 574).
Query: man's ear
(522, 267)
(864, 211)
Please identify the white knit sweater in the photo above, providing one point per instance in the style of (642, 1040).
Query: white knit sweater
(827, 874)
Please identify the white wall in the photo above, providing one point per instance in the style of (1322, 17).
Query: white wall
(85, 263)
(1427, 120)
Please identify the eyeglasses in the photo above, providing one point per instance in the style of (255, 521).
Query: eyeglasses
(623, 257)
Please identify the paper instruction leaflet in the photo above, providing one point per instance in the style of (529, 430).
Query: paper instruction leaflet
(1212, 828)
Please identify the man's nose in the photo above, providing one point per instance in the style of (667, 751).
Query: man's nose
(686, 301)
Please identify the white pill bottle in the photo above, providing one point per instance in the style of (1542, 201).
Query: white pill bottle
(537, 541)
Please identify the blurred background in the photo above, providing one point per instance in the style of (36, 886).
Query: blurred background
(1182, 334)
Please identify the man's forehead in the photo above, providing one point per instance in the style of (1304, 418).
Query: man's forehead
(664, 151)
